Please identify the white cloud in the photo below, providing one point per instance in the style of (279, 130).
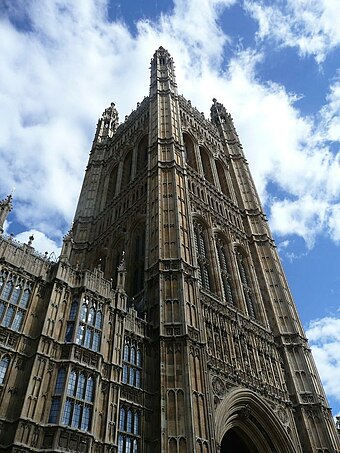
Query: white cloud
(324, 339)
(40, 242)
(61, 71)
(309, 25)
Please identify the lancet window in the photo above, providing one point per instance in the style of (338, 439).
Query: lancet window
(4, 364)
(222, 178)
(89, 321)
(246, 284)
(206, 165)
(224, 265)
(127, 169)
(202, 256)
(15, 294)
(129, 430)
(111, 190)
(142, 153)
(190, 151)
(132, 365)
(78, 407)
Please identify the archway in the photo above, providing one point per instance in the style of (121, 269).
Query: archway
(234, 441)
(245, 423)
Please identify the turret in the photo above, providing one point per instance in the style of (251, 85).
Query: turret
(5, 208)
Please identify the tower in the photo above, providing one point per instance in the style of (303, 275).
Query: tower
(167, 324)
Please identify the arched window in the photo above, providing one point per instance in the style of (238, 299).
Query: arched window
(126, 352)
(81, 386)
(133, 355)
(122, 417)
(222, 178)
(4, 363)
(15, 300)
(202, 257)
(142, 153)
(73, 310)
(132, 362)
(127, 170)
(189, 151)
(206, 165)
(78, 407)
(129, 427)
(25, 298)
(90, 323)
(72, 383)
(247, 291)
(59, 385)
(111, 190)
(7, 290)
(89, 389)
(83, 313)
(224, 271)
(16, 294)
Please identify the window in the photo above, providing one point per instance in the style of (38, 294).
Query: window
(201, 255)
(132, 363)
(89, 327)
(206, 165)
(4, 364)
(247, 291)
(224, 271)
(56, 399)
(129, 427)
(189, 151)
(14, 295)
(78, 407)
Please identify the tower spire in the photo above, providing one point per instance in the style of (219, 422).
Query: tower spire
(6, 207)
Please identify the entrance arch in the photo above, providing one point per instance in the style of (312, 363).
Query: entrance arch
(244, 423)
(234, 441)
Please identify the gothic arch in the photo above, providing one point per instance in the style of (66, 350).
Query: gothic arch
(190, 151)
(111, 184)
(206, 165)
(142, 152)
(221, 173)
(246, 414)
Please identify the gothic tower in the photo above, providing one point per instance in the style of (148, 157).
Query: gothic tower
(167, 324)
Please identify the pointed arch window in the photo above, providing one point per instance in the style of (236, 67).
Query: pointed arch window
(4, 364)
(204, 278)
(127, 169)
(247, 290)
(137, 261)
(222, 178)
(78, 407)
(89, 330)
(129, 430)
(190, 151)
(228, 293)
(132, 363)
(142, 153)
(206, 165)
(111, 190)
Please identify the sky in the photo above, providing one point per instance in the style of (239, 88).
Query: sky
(273, 64)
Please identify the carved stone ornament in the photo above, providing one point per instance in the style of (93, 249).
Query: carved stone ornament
(218, 386)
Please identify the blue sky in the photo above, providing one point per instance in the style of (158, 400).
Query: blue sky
(274, 65)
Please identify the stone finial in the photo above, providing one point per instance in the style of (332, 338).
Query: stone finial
(121, 277)
(6, 207)
(30, 240)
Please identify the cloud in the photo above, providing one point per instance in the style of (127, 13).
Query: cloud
(311, 26)
(63, 62)
(40, 242)
(324, 339)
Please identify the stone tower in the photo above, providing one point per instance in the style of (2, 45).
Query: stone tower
(167, 324)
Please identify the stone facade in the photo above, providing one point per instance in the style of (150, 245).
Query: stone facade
(167, 324)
